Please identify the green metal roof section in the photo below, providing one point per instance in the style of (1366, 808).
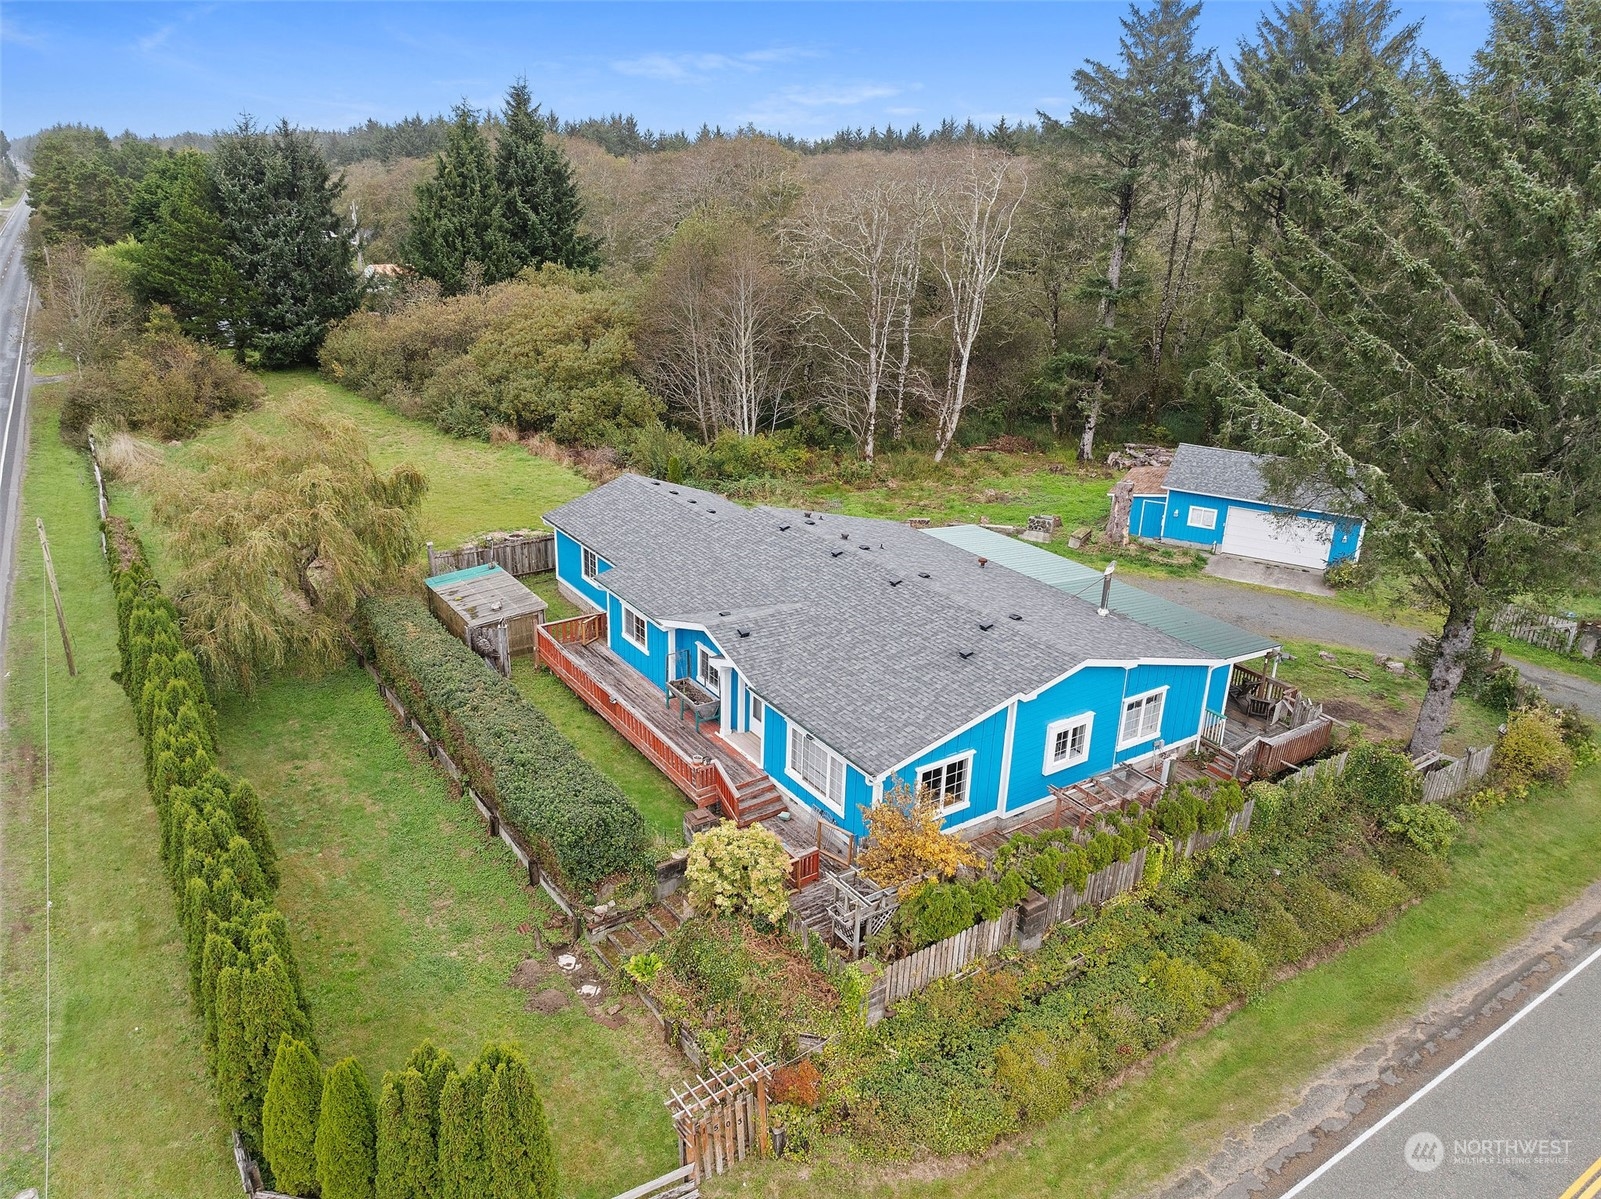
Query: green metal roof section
(1205, 633)
(462, 575)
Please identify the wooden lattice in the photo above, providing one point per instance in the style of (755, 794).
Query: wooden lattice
(721, 1117)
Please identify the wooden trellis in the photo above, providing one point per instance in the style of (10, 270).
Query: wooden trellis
(721, 1118)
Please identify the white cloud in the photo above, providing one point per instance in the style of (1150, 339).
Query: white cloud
(837, 95)
(13, 34)
(698, 68)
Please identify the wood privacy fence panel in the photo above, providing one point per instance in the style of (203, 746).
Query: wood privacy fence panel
(530, 555)
(939, 960)
(1440, 785)
(1098, 888)
(1536, 628)
(1291, 748)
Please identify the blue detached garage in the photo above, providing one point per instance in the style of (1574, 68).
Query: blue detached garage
(1216, 499)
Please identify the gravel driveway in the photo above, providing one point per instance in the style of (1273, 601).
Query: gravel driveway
(1295, 618)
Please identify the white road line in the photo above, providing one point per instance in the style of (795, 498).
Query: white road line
(16, 379)
(1440, 1077)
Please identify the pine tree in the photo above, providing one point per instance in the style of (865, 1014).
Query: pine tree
(182, 260)
(289, 1117)
(288, 242)
(408, 1142)
(539, 202)
(346, 1134)
(457, 233)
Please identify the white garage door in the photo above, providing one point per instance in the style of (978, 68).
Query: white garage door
(1294, 540)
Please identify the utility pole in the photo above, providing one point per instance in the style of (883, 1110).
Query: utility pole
(55, 592)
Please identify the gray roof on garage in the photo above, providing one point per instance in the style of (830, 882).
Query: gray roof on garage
(878, 640)
(1216, 638)
(1237, 475)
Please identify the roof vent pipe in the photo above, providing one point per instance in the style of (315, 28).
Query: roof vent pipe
(982, 563)
(1106, 590)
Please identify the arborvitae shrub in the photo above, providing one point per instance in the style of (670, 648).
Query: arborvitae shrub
(289, 1117)
(347, 1134)
(517, 1150)
(233, 1051)
(463, 1168)
(252, 824)
(408, 1148)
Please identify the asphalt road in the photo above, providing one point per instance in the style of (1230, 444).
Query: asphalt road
(16, 306)
(1513, 1119)
(1289, 616)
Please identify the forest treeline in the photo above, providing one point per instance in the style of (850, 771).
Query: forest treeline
(1320, 244)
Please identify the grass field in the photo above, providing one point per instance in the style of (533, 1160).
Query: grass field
(132, 1110)
(1516, 866)
(405, 918)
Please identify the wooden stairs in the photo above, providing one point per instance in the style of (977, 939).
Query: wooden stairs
(646, 927)
(756, 799)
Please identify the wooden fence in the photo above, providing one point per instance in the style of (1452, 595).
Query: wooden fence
(721, 1118)
(1441, 784)
(1098, 888)
(530, 554)
(939, 960)
(1536, 628)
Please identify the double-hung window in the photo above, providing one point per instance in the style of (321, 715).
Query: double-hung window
(1067, 742)
(708, 675)
(947, 781)
(589, 564)
(635, 629)
(1142, 718)
(819, 767)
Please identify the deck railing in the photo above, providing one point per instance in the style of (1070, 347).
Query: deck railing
(1214, 727)
(577, 630)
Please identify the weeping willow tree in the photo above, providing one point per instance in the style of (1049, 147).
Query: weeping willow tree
(1421, 331)
(278, 537)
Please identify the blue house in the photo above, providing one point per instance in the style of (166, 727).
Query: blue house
(1216, 499)
(830, 659)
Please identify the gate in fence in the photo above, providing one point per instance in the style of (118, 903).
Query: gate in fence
(721, 1118)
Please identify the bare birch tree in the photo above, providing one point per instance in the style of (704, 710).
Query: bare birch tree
(86, 307)
(860, 254)
(974, 209)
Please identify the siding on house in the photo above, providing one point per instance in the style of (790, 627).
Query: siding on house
(986, 742)
(1347, 531)
(775, 761)
(570, 570)
(1217, 688)
(687, 641)
(651, 661)
(1145, 516)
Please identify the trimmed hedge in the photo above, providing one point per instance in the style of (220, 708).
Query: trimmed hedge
(218, 856)
(582, 827)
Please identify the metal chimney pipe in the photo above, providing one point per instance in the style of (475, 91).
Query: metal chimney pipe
(1106, 590)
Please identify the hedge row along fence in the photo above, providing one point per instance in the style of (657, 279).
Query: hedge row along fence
(579, 824)
(215, 848)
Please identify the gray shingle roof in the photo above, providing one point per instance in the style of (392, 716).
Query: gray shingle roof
(854, 628)
(1237, 475)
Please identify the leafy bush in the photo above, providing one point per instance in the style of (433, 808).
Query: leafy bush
(1237, 966)
(643, 967)
(1351, 574)
(1193, 807)
(907, 843)
(1379, 778)
(1188, 992)
(735, 871)
(1425, 826)
(163, 384)
(1532, 750)
(579, 823)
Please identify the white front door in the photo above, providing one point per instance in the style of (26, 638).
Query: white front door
(1293, 540)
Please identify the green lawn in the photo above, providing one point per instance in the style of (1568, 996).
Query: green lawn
(132, 1110)
(405, 919)
(1518, 865)
(52, 363)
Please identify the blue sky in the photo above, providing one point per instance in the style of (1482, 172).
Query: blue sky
(801, 68)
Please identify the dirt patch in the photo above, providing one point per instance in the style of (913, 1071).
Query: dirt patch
(23, 767)
(1381, 723)
(548, 1002)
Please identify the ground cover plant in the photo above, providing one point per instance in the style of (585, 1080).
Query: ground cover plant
(132, 1106)
(577, 820)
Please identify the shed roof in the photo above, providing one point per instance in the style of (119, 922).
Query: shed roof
(1213, 637)
(484, 593)
(876, 639)
(1238, 475)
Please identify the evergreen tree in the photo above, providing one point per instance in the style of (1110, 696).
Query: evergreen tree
(463, 1164)
(408, 1140)
(1420, 331)
(457, 233)
(270, 1013)
(289, 1117)
(233, 1050)
(1133, 117)
(539, 201)
(288, 242)
(252, 822)
(346, 1134)
(519, 1159)
(182, 261)
(435, 1065)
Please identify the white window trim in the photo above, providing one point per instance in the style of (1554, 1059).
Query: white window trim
(705, 657)
(967, 779)
(1141, 698)
(1056, 727)
(1198, 510)
(628, 637)
(792, 767)
(585, 556)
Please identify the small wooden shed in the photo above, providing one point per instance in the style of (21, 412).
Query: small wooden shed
(478, 603)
